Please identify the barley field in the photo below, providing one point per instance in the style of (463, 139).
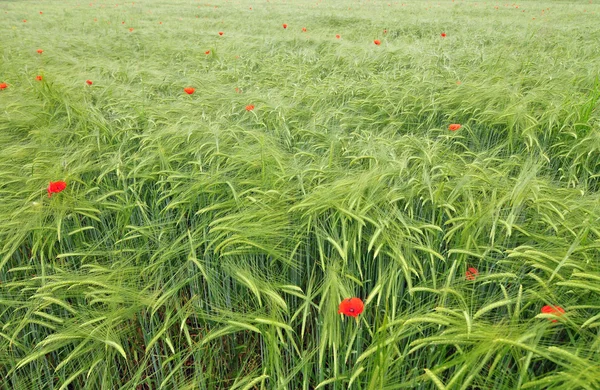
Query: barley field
(191, 191)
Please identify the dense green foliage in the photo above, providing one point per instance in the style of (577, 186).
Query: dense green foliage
(199, 245)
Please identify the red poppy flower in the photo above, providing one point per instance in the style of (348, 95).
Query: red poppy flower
(385, 31)
(238, 90)
(24, 20)
(55, 187)
(338, 36)
(41, 12)
(220, 32)
(38, 78)
(250, 107)
(189, 90)
(377, 42)
(207, 52)
(40, 51)
(555, 310)
(88, 82)
(303, 29)
(351, 307)
(454, 127)
(130, 29)
(471, 273)
(443, 35)
(3, 86)
(284, 26)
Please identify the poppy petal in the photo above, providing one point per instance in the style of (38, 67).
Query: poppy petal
(351, 307)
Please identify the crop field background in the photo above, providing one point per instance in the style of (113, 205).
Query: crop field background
(205, 240)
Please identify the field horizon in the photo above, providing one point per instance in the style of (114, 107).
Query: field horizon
(190, 190)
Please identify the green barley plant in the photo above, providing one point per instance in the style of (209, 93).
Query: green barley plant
(202, 245)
